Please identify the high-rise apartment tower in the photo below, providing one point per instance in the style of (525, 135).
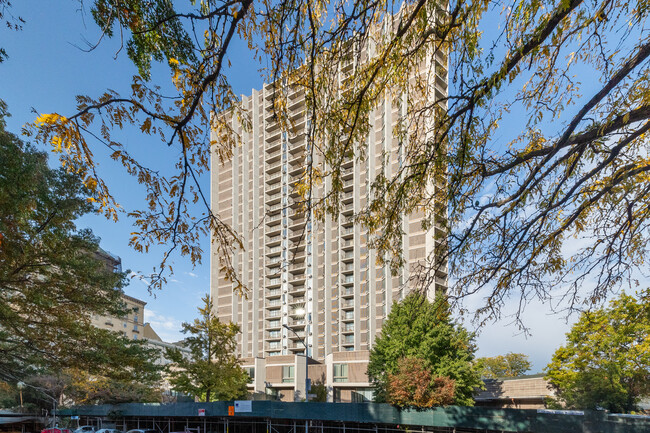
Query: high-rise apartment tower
(311, 283)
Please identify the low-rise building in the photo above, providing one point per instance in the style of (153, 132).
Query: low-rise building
(523, 392)
(130, 325)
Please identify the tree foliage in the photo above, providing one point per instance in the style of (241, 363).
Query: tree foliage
(212, 371)
(539, 140)
(417, 328)
(414, 386)
(508, 365)
(319, 389)
(85, 389)
(51, 280)
(605, 362)
(10, 21)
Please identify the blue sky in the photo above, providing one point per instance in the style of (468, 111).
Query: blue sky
(46, 69)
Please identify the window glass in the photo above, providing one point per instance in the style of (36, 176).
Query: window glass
(340, 372)
(251, 373)
(288, 373)
(362, 395)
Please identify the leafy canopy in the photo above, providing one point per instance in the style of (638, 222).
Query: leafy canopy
(508, 365)
(539, 139)
(605, 362)
(413, 386)
(212, 371)
(52, 280)
(424, 331)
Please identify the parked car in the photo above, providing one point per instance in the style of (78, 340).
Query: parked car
(85, 429)
(56, 430)
(138, 430)
(109, 430)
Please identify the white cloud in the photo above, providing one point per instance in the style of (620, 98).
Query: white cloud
(168, 328)
(192, 274)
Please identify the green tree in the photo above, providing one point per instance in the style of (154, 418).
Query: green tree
(51, 281)
(508, 365)
(85, 389)
(212, 371)
(417, 328)
(319, 389)
(606, 360)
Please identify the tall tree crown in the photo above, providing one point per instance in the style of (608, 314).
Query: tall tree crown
(417, 328)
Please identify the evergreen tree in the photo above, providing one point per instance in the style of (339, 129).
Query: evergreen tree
(422, 330)
(212, 371)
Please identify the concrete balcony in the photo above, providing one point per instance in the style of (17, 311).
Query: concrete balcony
(273, 303)
(297, 301)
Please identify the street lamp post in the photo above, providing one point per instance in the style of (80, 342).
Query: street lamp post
(306, 357)
(22, 385)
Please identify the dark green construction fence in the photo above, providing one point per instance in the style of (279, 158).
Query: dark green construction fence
(452, 417)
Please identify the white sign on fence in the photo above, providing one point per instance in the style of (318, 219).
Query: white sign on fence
(243, 406)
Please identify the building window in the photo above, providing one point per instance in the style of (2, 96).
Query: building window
(362, 395)
(124, 324)
(337, 395)
(274, 353)
(340, 372)
(135, 319)
(272, 392)
(251, 373)
(288, 373)
(135, 337)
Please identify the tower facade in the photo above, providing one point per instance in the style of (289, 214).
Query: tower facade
(314, 287)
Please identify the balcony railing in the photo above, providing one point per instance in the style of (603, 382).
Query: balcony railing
(300, 300)
(299, 322)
